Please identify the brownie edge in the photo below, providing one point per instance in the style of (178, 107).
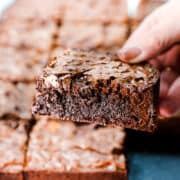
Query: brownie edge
(49, 175)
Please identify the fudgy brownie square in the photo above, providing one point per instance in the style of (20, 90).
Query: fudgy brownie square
(94, 36)
(32, 33)
(13, 139)
(98, 88)
(106, 11)
(23, 9)
(16, 99)
(21, 64)
(63, 150)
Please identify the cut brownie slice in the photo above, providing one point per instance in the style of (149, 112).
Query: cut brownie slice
(20, 64)
(13, 138)
(98, 88)
(106, 11)
(62, 150)
(16, 99)
(31, 33)
(22, 9)
(94, 36)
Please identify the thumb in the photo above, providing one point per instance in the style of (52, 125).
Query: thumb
(158, 32)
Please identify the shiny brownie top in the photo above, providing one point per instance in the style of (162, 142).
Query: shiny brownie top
(94, 67)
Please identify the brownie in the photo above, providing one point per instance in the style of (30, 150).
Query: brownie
(16, 99)
(32, 33)
(13, 139)
(94, 36)
(22, 9)
(98, 88)
(63, 150)
(21, 64)
(106, 11)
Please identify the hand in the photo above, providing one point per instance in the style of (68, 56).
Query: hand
(158, 39)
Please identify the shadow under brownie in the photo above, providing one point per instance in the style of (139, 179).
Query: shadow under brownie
(63, 150)
(98, 88)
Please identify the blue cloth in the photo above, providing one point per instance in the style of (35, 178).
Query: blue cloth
(153, 166)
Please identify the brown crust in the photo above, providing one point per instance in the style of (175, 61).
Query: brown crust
(41, 175)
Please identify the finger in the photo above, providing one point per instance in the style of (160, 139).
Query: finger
(167, 78)
(174, 91)
(171, 104)
(163, 90)
(157, 33)
(170, 59)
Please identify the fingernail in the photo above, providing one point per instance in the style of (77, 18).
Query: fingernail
(129, 54)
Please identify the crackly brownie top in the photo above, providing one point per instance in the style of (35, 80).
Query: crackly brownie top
(82, 148)
(96, 11)
(30, 33)
(20, 64)
(92, 36)
(95, 67)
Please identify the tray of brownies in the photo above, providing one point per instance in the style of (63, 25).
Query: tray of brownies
(70, 109)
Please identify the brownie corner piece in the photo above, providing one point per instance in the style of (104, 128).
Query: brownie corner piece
(98, 88)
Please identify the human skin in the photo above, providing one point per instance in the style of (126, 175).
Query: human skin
(157, 40)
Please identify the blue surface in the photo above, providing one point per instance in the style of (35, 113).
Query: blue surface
(153, 156)
(154, 166)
